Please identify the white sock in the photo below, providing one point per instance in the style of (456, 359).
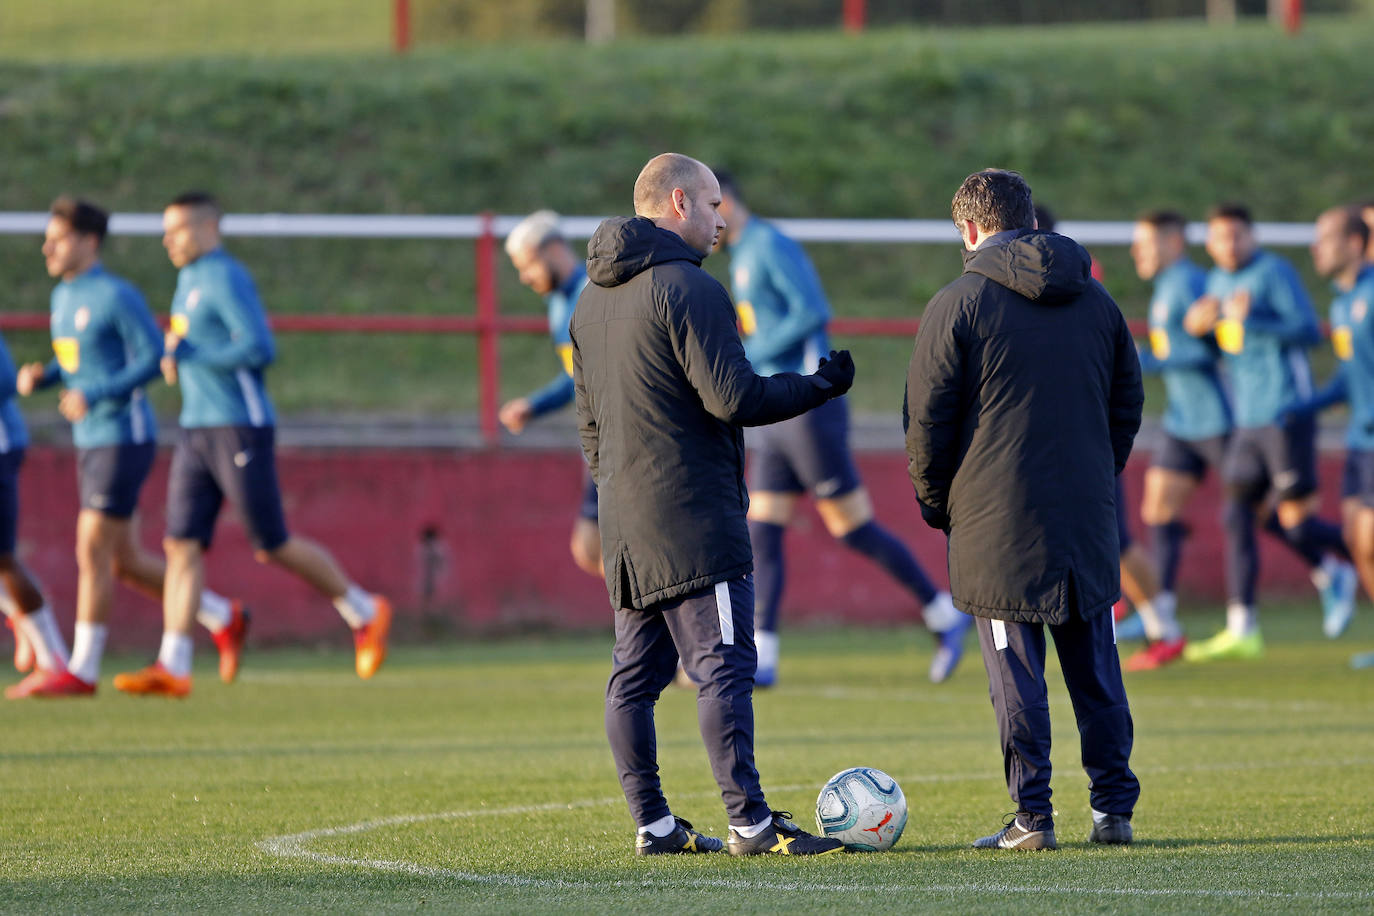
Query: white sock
(49, 648)
(88, 645)
(1330, 567)
(941, 614)
(766, 643)
(661, 827)
(7, 605)
(216, 611)
(1241, 619)
(356, 606)
(754, 829)
(175, 653)
(1166, 610)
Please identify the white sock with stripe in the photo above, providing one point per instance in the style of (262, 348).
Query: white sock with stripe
(1241, 619)
(216, 611)
(661, 827)
(356, 606)
(175, 653)
(49, 648)
(88, 645)
(753, 830)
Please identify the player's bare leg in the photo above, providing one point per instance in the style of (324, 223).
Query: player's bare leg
(34, 623)
(1359, 535)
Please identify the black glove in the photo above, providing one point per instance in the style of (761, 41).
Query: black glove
(837, 371)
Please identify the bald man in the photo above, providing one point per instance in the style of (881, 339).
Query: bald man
(663, 388)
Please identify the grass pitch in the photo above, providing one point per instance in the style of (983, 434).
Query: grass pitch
(476, 778)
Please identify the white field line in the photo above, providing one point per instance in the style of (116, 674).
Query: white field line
(296, 846)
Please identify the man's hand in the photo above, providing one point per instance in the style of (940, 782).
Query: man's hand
(1237, 306)
(26, 380)
(170, 343)
(1202, 316)
(73, 404)
(838, 372)
(169, 370)
(515, 414)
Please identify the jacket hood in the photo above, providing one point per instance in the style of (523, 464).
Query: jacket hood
(1045, 267)
(624, 246)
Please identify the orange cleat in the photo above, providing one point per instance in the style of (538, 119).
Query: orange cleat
(153, 680)
(229, 641)
(1157, 655)
(51, 684)
(23, 649)
(370, 639)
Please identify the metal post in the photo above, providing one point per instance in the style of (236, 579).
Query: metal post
(400, 26)
(600, 21)
(855, 12)
(488, 354)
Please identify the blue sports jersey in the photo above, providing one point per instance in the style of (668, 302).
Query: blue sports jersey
(13, 434)
(225, 345)
(1352, 337)
(1266, 354)
(1197, 406)
(106, 346)
(782, 308)
(561, 302)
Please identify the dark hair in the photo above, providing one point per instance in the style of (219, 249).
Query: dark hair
(727, 183)
(1165, 220)
(1044, 218)
(198, 200)
(995, 199)
(82, 215)
(1355, 225)
(1231, 210)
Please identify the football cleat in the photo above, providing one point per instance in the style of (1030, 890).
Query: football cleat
(229, 641)
(1015, 836)
(51, 684)
(1362, 660)
(369, 640)
(1111, 829)
(784, 838)
(1338, 599)
(1157, 655)
(683, 839)
(23, 649)
(1226, 644)
(950, 650)
(1132, 628)
(153, 680)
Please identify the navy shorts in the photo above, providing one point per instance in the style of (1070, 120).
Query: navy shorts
(1190, 456)
(110, 477)
(1123, 528)
(10, 463)
(589, 509)
(234, 461)
(808, 453)
(1358, 480)
(1282, 458)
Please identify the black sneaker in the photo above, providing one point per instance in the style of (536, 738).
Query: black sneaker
(1111, 829)
(682, 839)
(783, 838)
(1016, 836)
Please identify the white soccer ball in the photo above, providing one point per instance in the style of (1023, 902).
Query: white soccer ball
(863, 808)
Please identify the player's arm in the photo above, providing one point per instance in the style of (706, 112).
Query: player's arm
(37, 376)
(701, 326)
(932, 407)
(250, 343)
(1126, 401)
(586, 417)
(142, 341)
(1294, 320)
(806, 309)
(556, 395)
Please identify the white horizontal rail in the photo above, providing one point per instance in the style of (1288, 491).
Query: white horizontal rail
(308, 225)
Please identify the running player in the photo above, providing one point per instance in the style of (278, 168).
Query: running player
(38, 645)
(107, 347)
(547, 265)
(1263, 322)
(217, 349)
(783, 315)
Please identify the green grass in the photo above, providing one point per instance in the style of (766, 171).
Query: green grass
(475, 778)
(1104, 120)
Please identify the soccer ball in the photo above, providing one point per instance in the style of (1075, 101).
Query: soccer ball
(863, 808)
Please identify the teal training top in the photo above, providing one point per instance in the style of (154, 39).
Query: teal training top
(782, 309)
(1197, 405)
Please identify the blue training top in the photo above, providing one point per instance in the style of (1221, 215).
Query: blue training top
(1266, 355)
(1197, 406)
(782, 308)
(107, 346)
(13, 434)
(1352, 337)
(225, 344)
(561, 303)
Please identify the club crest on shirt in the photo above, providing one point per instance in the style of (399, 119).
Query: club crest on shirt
(1358, 310)
(193, 298)
(82, 318)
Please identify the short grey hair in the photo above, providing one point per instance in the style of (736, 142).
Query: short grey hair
(661, 175)
(996, 200)
(533, 232)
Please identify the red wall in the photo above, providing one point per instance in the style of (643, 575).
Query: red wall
(500, 559)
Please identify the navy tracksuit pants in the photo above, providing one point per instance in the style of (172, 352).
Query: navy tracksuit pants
(1014, 655)
(712, 631)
